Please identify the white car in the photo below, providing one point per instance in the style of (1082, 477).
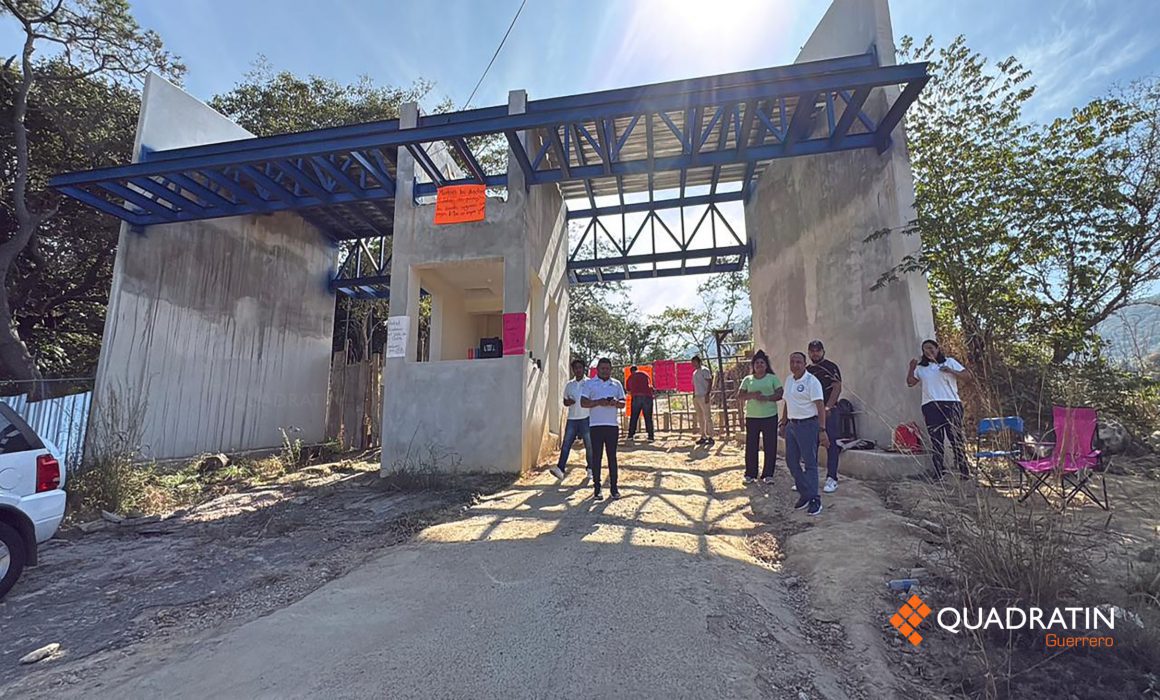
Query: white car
(32, 496)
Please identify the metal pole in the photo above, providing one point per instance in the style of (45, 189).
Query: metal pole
(720, 336)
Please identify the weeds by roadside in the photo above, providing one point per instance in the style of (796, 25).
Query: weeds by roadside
(996, 553)
(117, 480)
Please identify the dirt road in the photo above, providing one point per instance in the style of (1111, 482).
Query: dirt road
(691, 585)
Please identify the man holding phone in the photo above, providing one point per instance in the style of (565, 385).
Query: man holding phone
(604, 397)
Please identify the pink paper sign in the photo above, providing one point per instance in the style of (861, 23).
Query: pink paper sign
(591, 372)
(514, 333)
(685, 377)
(665, 375)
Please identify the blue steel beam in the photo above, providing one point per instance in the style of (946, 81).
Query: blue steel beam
(385, 181)
(517, 149)
(661, 204)
(667, 257)
(894, 114)
(536, 117)
(849, 114)
(460, 146)
(802, 119)
(577, 277)
(105, 205)
(207, 195)
(172, 197)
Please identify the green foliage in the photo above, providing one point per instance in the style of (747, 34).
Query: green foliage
(268, 102)
(58, 286)
(1032, 234)
(63, 109)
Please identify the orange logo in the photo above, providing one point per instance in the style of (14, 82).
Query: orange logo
(908, 617)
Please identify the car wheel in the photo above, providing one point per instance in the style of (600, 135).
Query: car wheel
(12, 557)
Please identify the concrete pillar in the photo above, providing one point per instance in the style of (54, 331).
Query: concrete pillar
(474, 415)
(811, 273)
(218, 332)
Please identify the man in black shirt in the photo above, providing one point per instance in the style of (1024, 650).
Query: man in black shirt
(831, 379)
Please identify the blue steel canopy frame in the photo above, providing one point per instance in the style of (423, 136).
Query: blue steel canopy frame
(655, 139)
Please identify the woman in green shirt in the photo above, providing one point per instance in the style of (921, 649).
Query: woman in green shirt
(760, 391)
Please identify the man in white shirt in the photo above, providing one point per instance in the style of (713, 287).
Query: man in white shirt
(604, 397)
(702, 383)
(802, 424)
(577, 421)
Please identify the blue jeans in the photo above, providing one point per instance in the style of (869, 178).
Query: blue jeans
(576, 428)
(801, 445)
(833, 430)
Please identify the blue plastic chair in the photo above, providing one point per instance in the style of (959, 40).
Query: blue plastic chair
(992, 430)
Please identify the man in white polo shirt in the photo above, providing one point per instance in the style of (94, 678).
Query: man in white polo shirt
(802, 425)
(577, 420)
(604, 397)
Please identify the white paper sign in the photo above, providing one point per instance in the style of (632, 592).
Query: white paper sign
(398, 328)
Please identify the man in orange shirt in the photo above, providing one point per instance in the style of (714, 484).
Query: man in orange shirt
(641, 390)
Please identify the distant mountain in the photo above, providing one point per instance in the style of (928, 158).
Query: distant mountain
(1134, 332)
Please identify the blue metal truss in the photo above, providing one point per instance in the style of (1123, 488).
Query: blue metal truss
(653, 248)
(662, 138)
(365, 269)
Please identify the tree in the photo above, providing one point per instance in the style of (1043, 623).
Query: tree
(90, 40)
(58, 285)
(268, 102)
(723, 304)
(966, 138)
(1032, 234)
(1095, 198)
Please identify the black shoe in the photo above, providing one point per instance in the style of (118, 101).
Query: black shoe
(615, 494)
(651, 438)
(598, 496)
(815, 507)
(801, 503)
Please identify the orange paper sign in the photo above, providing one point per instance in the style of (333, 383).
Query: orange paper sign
(459, 204)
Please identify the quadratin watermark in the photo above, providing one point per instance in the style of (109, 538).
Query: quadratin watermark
(1064, 627)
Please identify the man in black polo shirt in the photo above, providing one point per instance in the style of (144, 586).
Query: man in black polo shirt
(831, 379)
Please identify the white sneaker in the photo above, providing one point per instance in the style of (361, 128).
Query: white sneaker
(767, 480)
(557, 472)
(750, 479)
(831, 485)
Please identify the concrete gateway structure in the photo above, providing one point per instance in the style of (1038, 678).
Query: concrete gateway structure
(233, 247)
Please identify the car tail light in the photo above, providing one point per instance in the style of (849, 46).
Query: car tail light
(47, 473)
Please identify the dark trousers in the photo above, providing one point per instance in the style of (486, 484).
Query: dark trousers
(576, 428)
(944, 421)
(763, 430)
(833, 431)
(604, 438)
(641, 404)
(801, 445)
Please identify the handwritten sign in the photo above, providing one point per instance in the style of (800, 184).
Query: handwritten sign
(398, 328)
(515, 333)
(460, 204)
(685, 377)
(665, 375)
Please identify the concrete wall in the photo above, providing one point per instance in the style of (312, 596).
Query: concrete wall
(221, 329)
(811, 274)
(479, 415)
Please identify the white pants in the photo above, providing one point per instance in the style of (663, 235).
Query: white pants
(704, 415)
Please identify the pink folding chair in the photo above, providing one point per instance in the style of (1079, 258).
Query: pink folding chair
(1074, 459)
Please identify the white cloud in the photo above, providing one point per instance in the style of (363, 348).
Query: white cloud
(1078, 55)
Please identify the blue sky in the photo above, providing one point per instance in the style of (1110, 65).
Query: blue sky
(1076, 48)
